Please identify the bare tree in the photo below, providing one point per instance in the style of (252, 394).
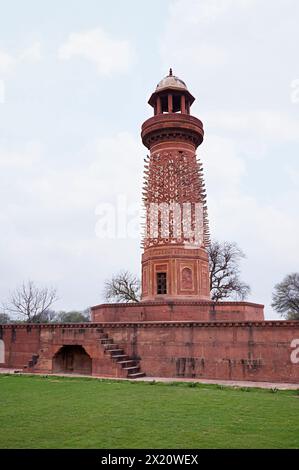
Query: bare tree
(286, 297)
(224, 259)
(31, 302)
(123, 287)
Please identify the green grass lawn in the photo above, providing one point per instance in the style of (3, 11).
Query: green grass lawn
(56, 412)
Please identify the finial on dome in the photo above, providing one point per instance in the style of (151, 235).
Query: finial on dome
(170, 72)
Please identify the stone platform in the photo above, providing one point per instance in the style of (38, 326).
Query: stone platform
(257, 351)
(178, 310)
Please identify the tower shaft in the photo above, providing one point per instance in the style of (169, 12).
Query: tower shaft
(176, 234)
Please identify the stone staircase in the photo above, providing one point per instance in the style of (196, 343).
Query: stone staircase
(130, 365)
(31, 363)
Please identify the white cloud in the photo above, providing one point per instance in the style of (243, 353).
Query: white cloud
(189, 38)
(266, 230)
(31, 54)
(240, 72)
(222, 164)
(97, 180)
(205, 11)
(48, 211)
(267, 233)
(263, 123)
(20, 159)
(293, 174)
(64, 191)
(209, 55)
(225, 50)
(110, 55)
(7, 62)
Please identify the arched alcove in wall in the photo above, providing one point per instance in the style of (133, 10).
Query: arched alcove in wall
(2, 351)
(72, 359)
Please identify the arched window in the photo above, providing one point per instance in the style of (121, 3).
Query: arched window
(2, 351)
(161, 283)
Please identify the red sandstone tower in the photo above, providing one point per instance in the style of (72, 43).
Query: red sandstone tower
(175, 271)
(176, 233)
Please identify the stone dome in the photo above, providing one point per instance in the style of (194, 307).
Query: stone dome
(173, 84)
(171, 81)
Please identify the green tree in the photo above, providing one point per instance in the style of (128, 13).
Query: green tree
(73, 316)
(4, 318)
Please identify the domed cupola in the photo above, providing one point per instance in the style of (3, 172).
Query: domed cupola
(171, 96)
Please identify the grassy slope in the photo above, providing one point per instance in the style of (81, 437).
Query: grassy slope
(51, 412)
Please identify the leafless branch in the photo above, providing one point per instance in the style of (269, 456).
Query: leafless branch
(286, 297)
(31, 301)
(123, 287)
(224, 261)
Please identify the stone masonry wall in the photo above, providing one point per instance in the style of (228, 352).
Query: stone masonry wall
(256, 351)
(178, 311)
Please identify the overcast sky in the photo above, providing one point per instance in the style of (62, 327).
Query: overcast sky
(75, 77)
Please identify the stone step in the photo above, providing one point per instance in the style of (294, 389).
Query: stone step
(115, 351)
(136, 375)
(131, 362)
(107, 341)
(111, 347)
(130, 365)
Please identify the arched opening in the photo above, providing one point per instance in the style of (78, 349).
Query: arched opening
(2, 352)
(161, 283)
(72, 359)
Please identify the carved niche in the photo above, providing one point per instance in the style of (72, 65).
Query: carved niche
(187, 279)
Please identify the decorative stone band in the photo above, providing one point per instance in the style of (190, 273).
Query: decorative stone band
(173, 252)
(172, 126)
(154, 324)
(177, 302)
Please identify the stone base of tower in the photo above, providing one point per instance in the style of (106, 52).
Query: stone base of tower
(226, 350)
(186, 272)
(178, 310)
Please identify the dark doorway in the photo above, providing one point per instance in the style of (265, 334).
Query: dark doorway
(72, 360)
